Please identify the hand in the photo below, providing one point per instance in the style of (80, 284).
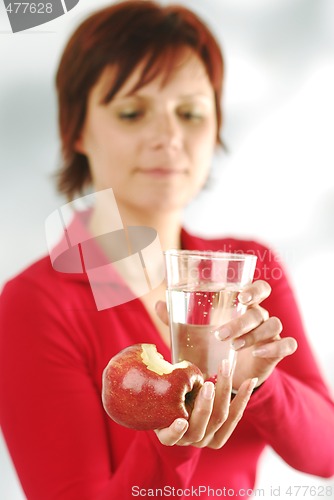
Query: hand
(256, 337)
(214, 416)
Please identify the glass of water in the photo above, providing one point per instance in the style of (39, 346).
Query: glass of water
(202, 295)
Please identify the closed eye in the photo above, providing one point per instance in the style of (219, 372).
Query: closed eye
(131, 115)
(191, 116)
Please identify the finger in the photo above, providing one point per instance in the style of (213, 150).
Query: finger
(161, 310)
(222, 399)
(278, 349)
(255, 293)
(270, 329)
(172, 434)
(252, 318)
(200, 415)
(236, 411)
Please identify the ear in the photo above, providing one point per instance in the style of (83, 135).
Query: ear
(79, 145)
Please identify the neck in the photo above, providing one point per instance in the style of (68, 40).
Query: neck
(167, 223)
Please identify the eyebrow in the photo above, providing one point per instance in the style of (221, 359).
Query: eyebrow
(198, 94)
(143, 96)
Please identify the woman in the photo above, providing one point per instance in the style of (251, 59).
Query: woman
(139, 89)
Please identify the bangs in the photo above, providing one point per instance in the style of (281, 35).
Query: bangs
(154, 65)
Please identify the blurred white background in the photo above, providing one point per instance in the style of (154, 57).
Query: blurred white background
(276, 184)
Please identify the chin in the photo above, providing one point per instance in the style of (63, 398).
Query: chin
(164, 202)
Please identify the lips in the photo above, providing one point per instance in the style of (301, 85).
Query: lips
(163, 172)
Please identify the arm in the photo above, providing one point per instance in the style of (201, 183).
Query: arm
(296, 421)
(292, 409)
(51, 412)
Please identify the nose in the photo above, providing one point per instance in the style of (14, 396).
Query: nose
(166, 132)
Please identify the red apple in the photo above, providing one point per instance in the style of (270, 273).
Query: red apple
(141, 390)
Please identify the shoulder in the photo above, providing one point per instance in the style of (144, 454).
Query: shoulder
(34, 270)
(225, 244)
(37, 283)
(39, 274)
(36, 273)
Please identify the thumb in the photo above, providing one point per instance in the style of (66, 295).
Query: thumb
(161, 310)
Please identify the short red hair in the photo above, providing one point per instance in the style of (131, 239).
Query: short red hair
(122, 36)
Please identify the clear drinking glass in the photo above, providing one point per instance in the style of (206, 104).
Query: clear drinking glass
(202, 294)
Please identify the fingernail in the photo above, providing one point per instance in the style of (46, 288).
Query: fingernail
(238, 344)
(208, 390)
(223, 333)
(260, 352)
(157, 305)
(180, 424)
(253, 383)
(226, 368)
(245, 297)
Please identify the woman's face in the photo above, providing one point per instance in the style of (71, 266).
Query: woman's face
(153, 146)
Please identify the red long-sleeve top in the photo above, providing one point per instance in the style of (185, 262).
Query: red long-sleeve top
(54, 345)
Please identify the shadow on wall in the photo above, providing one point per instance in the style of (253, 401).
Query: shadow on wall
(29, 152)
(28, 126)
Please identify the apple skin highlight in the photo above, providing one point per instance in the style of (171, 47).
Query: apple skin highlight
(142, 391)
